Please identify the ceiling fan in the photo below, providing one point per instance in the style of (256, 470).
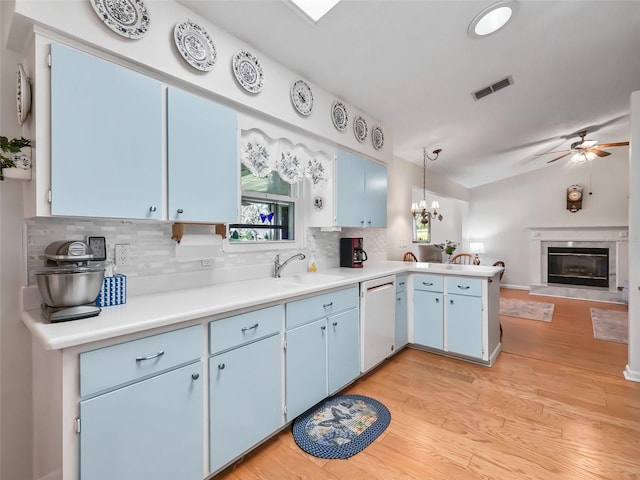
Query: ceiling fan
(585, 149)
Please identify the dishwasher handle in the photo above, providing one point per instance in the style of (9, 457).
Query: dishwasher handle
(380, 287)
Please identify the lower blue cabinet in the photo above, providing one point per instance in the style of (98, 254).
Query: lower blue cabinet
(151, 429)
(428, 319)
(401, 336)
(343, 352)
(464, 325)
(245, 401)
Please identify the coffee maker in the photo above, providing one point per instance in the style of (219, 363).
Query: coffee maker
(351, 252)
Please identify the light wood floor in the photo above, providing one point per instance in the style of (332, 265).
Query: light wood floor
(554, 406)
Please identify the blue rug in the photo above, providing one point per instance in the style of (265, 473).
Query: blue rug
(340, 426)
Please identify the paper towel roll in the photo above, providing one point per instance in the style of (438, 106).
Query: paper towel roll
(198, 247)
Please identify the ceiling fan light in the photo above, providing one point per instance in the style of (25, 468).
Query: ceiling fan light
(491, 19)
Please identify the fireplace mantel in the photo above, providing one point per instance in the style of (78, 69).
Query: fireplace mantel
(614, 237)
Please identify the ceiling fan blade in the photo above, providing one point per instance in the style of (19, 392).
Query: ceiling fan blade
(600, 153)
(614, 144)
(553, 151)
(558, 158)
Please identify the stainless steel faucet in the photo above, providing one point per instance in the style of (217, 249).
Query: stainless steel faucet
(277, 266)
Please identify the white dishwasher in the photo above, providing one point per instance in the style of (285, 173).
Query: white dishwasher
(377, 320)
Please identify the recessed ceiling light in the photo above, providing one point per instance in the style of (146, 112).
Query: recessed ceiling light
(492, 18)
(315, 9)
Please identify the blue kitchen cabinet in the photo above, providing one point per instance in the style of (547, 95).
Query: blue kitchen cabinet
(322, 347)
(401, 330)
(464, 333)
(202, 152)
(106, 138)
(343, 353)
(428, 311)
(245, 398)
(150, 429)
(361, 191)
(245, 382)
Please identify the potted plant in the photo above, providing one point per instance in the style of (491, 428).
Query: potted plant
(10, 150)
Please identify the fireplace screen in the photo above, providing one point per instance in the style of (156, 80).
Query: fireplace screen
(578, 266)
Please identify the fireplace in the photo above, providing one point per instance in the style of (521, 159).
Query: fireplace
(578, 266)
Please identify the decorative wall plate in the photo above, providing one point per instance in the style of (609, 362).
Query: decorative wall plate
(360, 129)
(248, 71)
(339, 116)
(129, 18)
(302, 97)
(195, 45)
(23, 95)
(377, 138)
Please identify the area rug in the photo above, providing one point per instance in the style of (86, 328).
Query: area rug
(340, 426)
(610, 325)
(512, 307)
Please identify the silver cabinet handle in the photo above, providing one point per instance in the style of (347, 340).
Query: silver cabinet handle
(451, 302)
(150, 357)
(221, 366)
(399, 299)
(152, 208)
(362, 222)
(369, 222)
(252, 327)
(327, 305)
(195, 376)
(323, 327)
(427, 284)
(437, 300)
(463, 287)
(400, 283)
(180, 211)
(335, 324)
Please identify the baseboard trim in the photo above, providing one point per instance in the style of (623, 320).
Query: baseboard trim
(515, 287)
(631, 375)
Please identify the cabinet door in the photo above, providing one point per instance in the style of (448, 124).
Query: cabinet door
(343, 349)
(350, 196)
(106, 138)
(245, 399)
(306, 367)
(202, 152)
(428, 320)
(375, 194)
(401, 320)
(150, 429)
(464, 325)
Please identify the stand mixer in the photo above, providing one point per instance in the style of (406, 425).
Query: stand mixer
(68, 284)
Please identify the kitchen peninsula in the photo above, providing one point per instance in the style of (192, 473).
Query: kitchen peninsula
(197, 355)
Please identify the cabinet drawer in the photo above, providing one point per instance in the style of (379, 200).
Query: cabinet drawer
(303, 311)
(108, 367)
(240, 329)
(429, 283)
(464, 286)
(401, 283)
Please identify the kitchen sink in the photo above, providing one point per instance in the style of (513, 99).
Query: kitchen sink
(310, 278)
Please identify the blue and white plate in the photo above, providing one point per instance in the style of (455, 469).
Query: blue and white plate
(339, 116)
(195, 45)
(129, 18)
(360, 129)
(248, 71)
(377, 138)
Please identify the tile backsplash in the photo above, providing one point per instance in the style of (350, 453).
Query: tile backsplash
(152, 251)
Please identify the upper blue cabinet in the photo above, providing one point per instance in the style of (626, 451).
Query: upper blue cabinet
(202, 151)
(361, 191)
(106, 138)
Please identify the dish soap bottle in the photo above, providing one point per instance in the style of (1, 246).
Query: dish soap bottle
(313, 266)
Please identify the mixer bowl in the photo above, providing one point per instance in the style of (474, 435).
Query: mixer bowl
(64, 287)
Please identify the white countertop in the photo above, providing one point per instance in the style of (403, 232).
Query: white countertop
(147, 312)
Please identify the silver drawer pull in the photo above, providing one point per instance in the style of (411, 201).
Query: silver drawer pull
(335, 324)
(327, 305)
(221, 366)
(195, 376)
(150, 357)
(323, 327)
(437, 300)
(252, 327)
(463, 287)
(427, 284)
(400, 283)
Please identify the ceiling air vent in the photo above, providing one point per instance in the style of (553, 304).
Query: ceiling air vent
(500, 84)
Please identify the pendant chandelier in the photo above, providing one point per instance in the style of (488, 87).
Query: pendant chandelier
(419, 210)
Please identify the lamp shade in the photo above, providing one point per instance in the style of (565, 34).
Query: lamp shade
(476, 247)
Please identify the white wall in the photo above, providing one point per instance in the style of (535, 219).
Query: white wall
(501, 212)
(15, 340)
